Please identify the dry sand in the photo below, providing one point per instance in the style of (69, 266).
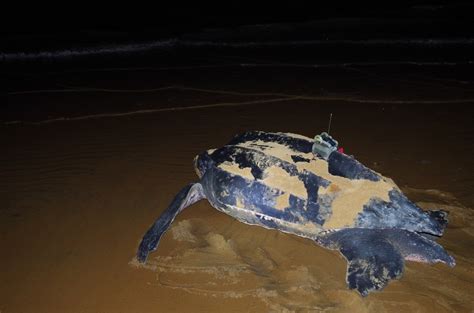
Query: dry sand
(77, 196)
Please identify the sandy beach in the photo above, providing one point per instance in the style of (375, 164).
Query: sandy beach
(82, 182)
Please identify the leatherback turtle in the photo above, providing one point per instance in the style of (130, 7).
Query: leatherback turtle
(306, 187)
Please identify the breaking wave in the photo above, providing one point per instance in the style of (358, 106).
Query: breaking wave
(175, 43)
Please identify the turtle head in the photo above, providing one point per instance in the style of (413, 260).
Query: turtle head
(202, 162)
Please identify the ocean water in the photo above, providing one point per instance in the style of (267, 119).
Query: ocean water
(414, 37)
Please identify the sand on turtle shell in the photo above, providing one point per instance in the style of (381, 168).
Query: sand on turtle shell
(350, 194)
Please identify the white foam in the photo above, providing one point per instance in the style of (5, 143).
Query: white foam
(173, 43)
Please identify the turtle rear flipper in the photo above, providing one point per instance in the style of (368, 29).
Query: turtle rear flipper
(372, 261)
(187, 196)
(376, 256)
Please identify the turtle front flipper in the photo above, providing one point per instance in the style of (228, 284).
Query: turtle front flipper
(187, 196)
(376, 256)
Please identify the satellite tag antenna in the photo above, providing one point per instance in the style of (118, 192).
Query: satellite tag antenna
(330, 119)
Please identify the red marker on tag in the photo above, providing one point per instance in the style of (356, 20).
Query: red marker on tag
(341, 149)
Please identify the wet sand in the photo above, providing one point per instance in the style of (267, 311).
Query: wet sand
(77, 195)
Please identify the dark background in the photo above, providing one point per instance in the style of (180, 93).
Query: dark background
(64, 24)
(46, 46)
(183, 15)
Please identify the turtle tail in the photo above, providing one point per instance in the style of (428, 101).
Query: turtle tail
(186, 197)
(440, 216)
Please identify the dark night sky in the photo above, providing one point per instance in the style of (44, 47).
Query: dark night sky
(181, 15)
(47, 27)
